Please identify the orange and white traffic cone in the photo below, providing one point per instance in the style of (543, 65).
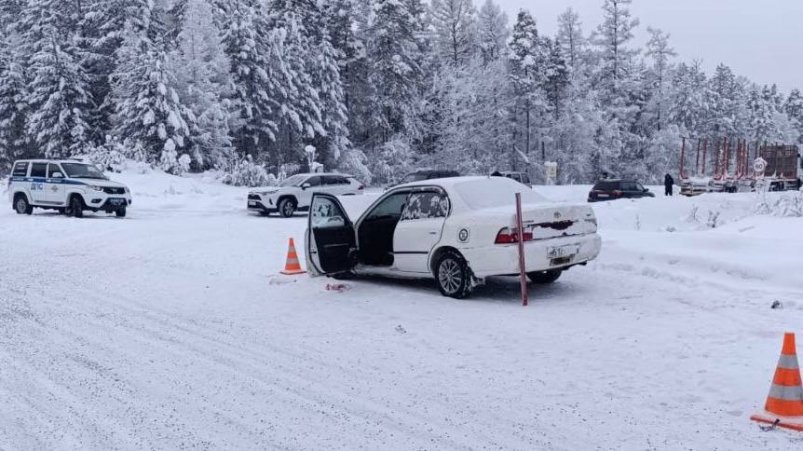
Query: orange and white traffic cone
(784, 406)
(292, 267)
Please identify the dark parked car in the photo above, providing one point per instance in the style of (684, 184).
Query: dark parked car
(618, 189)
(426, 174)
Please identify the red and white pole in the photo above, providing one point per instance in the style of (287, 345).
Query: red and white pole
(520, 236)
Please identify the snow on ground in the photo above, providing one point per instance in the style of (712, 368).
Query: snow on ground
(171, 329)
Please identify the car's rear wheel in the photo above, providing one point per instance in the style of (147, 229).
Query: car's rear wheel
(22, 206)
(545, 277)
(75, 207)
(287, 207)
(453, 276)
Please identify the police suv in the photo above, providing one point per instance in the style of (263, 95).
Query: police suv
(67, 186)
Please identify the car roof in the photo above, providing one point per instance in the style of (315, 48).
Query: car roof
(446, 182)
(45, 160)
(432, 171)
(309, 174)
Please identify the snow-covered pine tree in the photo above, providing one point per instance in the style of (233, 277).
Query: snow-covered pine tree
(726, 103)
(764, 123)
(527, 57)
(613, 37)
(455, 25)
(14, 140)
(248, 51)
(492, 31)
(59, 99)
(149, 116)
(571, 39)
(793, 107)
(556, 79)
(315, 113)
(660, 52)
(689, 93)
(203, 83)
(395, 76)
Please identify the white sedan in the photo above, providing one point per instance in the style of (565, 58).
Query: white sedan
(457, 231)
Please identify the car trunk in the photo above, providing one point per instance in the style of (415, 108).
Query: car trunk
(545, 221)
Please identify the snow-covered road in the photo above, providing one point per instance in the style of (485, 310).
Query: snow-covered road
(170, 329)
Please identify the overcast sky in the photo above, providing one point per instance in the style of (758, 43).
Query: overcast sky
(760, 39)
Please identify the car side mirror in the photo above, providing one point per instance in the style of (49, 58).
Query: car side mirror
(57, 175)
(305, 185)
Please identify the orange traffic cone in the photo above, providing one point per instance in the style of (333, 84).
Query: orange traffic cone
(292, 267)
(784, 406)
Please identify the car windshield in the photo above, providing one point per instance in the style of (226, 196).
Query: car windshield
(295, 180)
(82, 171)
(495, 192)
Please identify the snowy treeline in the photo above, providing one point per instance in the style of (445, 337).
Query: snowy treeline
(376, 86)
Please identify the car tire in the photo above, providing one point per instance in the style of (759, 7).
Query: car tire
(287, 207)
(545, 277)
(453, 276)
(22, 206)
(75, 207)
(120, 212)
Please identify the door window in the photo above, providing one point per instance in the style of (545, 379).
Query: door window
(314, 181)
(51, 168)
(326, 214)
(39, 170)
(391, 206)
(20, 170)
(426, 205)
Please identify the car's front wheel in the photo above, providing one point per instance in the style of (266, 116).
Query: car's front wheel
(287, 207)
(120, 212)
(453, 276)
(22, 206)
(545, 277)
(75, 207)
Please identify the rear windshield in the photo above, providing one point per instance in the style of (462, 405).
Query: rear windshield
(495, 192)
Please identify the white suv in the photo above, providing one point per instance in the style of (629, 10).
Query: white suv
(68, 186)
(295, 193)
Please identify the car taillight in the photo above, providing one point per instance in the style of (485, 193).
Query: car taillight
(509, 236)
(617, 193)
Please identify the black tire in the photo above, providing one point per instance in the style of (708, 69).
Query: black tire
(545, 277)
(287, 207)
(75, 207)
(120, 212)
(453, 276)
(22, 206)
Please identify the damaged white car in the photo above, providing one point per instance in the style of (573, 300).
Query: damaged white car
(457, 231)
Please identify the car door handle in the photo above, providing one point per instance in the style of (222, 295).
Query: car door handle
(433, 232)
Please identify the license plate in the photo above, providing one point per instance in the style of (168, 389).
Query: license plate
(562, 251)
(116, 201)
(602, 195)
(252, 203)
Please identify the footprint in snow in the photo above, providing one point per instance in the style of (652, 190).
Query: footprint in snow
(401, 329)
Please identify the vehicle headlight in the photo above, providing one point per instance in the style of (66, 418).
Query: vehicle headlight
(94, 188)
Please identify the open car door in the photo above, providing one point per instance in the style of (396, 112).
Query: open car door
(330, 238)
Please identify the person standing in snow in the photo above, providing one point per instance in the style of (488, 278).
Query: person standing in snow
(669, 184)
